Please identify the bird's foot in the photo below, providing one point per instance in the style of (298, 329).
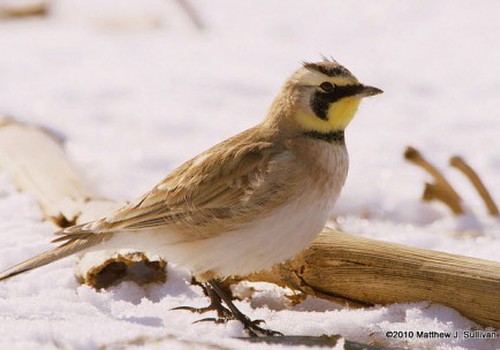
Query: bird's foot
(253, 327)
(223, 314)
(216, 320)
(217, 296)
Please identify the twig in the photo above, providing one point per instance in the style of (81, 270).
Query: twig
(460, 164)
(192, 14)
(441, 189)
(30, 9)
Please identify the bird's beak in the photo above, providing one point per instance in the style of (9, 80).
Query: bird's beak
(366, 90)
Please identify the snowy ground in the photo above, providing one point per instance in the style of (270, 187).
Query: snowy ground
(136, 90)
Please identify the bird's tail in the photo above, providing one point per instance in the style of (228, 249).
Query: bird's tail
(76, 239)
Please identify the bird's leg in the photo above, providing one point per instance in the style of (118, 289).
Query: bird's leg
(223, 313)
(251, 326)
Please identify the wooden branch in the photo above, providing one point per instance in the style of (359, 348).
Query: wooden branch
(36, 163)
(441, 189)
(337, 266)
(364, 271)
(24, 9)
(460, 164)
(192, 14)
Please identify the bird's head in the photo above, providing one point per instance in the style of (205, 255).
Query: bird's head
(321, 97)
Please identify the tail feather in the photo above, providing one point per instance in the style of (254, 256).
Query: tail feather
(76, 230)
(74, 243)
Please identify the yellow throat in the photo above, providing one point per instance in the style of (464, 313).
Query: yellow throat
(339, 116)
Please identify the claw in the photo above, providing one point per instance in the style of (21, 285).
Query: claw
(198, 310)
(258, 322)
(257, 331)
(212, 319)
(188, 308)
(254, 330)
(270, 332)
(215, 303)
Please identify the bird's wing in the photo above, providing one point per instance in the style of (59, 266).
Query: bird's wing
(214, 190)
(222, 187)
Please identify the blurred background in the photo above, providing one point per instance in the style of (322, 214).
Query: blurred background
(137, 87)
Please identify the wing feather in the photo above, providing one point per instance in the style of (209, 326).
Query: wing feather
(218, 187)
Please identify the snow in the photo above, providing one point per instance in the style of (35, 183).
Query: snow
(136, 89)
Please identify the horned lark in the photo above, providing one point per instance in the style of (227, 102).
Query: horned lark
(251, 201)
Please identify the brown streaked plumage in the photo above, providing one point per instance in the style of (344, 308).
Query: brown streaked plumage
(247, 203)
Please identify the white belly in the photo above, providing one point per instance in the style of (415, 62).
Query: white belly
(259, 245)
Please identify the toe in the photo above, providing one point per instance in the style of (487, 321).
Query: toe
(217, 320)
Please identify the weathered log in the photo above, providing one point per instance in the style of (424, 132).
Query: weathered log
(362, 271)
(337, 266)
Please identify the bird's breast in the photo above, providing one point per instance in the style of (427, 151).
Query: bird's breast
(327, 165)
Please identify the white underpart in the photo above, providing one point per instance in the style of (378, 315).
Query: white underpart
(259, 244)
(262, 244)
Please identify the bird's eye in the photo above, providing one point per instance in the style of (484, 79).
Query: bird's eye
(326, 86)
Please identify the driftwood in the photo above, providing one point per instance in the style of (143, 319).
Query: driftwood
(361, 271)
(192, 14)
(22, 9)
(337, 266)
(440, 189)
(460, 164)
(35, 160)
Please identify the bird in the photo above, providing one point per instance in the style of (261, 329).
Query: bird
(245, 204)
